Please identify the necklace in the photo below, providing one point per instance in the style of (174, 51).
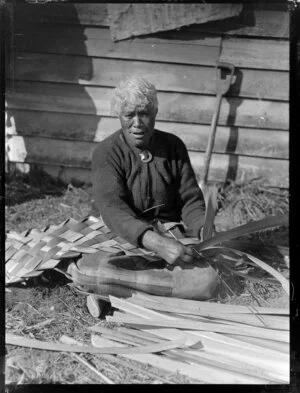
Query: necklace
(146, 156)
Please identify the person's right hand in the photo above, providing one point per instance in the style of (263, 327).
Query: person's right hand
(171, 250)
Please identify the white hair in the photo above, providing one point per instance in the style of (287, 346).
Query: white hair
(137, 91)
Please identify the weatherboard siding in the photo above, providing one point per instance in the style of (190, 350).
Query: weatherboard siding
(64, 67)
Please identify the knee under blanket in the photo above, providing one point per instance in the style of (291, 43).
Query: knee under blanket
(105, 274)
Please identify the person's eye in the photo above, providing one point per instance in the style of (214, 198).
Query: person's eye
(129, 115)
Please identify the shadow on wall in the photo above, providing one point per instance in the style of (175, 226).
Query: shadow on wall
(245, 19)
(48, 108)
(189, 33)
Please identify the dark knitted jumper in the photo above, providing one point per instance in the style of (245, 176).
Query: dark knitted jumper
(124, 186)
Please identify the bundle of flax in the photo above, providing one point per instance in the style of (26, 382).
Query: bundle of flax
(226, 343)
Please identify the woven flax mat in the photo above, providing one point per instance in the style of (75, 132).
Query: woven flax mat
(31, 252)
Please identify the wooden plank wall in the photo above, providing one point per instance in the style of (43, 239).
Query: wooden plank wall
(63, 67)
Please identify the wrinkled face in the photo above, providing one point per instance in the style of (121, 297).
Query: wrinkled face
(138, 124)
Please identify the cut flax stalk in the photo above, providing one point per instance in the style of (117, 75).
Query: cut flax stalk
(171, 354)
(122, 337)
(197, 305)
(216, 340)
(221, 357)
(153, 360)
(50, 346)
(68, 340)
(135, 309)
(240, 363)
(158, 319)
(271, 321)
(114, 359)
(232, 352)
(282, 347)
(234, 358)
(139, 333)
(121, 316)
(256, 365)
(125, 338)
(199, 372)
(277, 335)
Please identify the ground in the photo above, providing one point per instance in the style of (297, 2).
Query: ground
(46, 308)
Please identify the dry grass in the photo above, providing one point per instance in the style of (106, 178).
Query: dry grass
(47, 308)
(36, 201)
(252, 201)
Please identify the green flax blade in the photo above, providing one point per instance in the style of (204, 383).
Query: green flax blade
(269, 269)
(246, 229)
(210, 196)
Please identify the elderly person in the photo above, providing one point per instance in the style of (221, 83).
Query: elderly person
(143, 180)
(142, 175)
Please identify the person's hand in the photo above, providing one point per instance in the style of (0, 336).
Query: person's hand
(171, 250)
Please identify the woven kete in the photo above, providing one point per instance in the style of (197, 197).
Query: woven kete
(31, 252)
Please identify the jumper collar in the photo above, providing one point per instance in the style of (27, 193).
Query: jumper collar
(144, 154)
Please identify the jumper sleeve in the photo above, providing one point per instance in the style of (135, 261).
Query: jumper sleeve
(193, 205)
(111, 197)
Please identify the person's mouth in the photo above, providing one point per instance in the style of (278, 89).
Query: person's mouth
(138, 134)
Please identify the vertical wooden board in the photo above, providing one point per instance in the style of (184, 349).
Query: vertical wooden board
(177, 107)
(86, 70)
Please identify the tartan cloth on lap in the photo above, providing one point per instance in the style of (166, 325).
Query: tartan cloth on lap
(104, 274)
(29, 253)
(109, 264)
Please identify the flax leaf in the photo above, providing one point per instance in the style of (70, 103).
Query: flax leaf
(283, 281)
(246, 229)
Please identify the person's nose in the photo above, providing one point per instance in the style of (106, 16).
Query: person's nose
(137, 121)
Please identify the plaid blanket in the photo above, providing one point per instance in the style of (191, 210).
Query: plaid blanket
(104, 274)
(108, 264)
